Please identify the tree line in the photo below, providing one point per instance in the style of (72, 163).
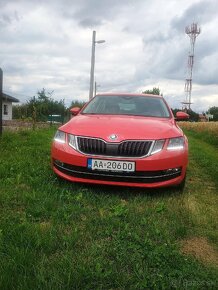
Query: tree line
(193, 116)
(41, 106)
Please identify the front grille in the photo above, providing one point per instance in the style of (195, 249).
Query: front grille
(132, 177)
(91, 146)
(123, 149)
(134, 148)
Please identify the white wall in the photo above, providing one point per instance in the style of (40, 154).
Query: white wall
(9, 108)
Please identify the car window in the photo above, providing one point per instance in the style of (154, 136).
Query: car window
(128, 105)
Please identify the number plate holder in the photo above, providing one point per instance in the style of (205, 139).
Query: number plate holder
(111, 165)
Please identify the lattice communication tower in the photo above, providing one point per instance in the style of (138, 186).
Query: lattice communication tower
(192, 31)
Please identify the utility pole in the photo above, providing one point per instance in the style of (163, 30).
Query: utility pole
(93, 64)
(96, 87)
(1, 98)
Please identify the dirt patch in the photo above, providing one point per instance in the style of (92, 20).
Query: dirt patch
(45, 226)
(200, 248)
(15, 125)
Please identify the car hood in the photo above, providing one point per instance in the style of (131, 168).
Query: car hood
(124, 127)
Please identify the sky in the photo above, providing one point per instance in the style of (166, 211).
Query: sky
(47, 44)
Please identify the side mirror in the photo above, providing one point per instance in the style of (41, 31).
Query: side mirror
(74, 111)
(182, 116)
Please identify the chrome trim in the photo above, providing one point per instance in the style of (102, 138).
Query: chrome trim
(76, 145)
(114, 157)
(129, 176)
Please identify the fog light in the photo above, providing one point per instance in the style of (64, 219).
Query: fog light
(173, 170)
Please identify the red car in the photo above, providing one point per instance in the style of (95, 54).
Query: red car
(122, 139)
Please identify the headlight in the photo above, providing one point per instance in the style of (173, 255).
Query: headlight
(158, 146)
(72, 141)
(60, 136)
(176, 143)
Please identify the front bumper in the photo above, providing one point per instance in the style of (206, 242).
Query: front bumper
(166, 168)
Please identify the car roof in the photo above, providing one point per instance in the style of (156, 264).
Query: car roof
(129, 94)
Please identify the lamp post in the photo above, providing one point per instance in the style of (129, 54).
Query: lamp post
(96, 86)
(93, 63)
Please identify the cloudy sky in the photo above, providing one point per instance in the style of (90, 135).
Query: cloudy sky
(47, 44)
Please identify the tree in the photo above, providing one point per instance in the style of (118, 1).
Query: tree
(77, 103)
(154, 91)
(193, 116)
(22, 111)
(214, 111)
(41, 106)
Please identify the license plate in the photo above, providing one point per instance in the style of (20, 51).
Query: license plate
(111, 165)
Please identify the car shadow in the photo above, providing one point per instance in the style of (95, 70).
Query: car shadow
(121, 191)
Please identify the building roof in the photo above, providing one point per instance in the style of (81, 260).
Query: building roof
(9, 98)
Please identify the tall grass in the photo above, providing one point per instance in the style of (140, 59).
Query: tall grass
(207, 131)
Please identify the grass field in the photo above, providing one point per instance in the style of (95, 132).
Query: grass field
(59, 235)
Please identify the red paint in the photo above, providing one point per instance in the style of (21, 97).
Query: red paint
(126, 128)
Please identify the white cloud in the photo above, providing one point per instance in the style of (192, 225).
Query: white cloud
(48, 44)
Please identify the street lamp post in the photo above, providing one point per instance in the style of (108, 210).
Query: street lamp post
(96, 86)
(93, 64)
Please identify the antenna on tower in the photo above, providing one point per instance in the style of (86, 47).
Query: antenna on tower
(192, 31)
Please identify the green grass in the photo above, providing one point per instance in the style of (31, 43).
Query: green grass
(207, 137)
(59, 235)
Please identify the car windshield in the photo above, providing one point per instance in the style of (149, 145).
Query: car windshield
(146, 106)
